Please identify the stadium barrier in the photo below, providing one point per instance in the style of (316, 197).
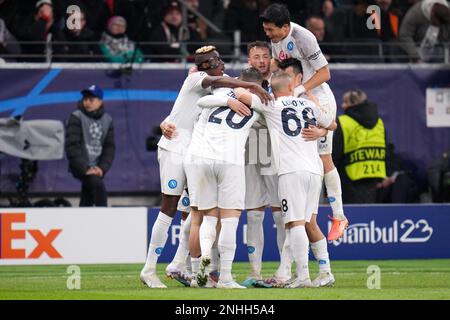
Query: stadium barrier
(120, 235)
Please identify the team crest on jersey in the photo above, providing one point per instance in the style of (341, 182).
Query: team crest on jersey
(290, 46)
(173, 184)
(185, 201)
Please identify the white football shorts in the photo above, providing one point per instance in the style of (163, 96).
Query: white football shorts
(299, 194)
(171, 172)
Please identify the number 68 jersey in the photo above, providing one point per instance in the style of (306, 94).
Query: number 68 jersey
(220, 133)
(285, 119)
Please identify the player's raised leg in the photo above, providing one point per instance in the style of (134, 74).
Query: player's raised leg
(334, 193)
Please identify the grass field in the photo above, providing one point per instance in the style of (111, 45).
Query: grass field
(403, 279)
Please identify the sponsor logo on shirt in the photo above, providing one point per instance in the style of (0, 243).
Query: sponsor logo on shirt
(282, 55)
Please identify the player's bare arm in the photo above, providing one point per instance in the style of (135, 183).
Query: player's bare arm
(213, 101)
(313, 133)
(228, 82)
(243, 96)
(322, 75)
(168, 129)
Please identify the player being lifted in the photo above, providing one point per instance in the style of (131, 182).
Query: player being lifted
(216, 176)
(299, 167)
(291, 40)
(171, 151)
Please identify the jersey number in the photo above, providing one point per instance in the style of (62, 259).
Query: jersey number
(229, 118)
(290, 114)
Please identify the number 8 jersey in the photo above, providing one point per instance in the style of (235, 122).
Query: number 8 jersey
(285, 119)
(220, 133)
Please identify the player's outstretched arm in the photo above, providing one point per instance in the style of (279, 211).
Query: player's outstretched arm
(228, 82)
(322, 75)
(313, 133)
(213, 101)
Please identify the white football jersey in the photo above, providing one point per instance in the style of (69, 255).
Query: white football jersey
(301, 44)
(285, 118)
(220, 133)
(185, 112)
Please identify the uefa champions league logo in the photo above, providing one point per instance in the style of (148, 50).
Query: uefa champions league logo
(96, 131)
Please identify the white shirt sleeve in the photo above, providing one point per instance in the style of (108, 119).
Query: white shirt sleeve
(311, 51)
(212, 101)
(196, 79)
(257, 104)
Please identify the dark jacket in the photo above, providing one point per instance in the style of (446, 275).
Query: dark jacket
(74, 145)
(364, 190)
(73, 51)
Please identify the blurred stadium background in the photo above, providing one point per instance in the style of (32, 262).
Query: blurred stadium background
(43, 67)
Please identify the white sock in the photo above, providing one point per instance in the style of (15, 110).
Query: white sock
(255, 239)
(227, 247)
(299, 250)
(284, 270)
(188, 264)
(215, 257)
(183, 250)
(281, 231)
(320, 252)
(195, 263)
(207, 234)
(334, 192)
(157, 241)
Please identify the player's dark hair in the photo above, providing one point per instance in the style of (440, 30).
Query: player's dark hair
(251, 75)
(259, 44)
(277, 14)
(291, 62)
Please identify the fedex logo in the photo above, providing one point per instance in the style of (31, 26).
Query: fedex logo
(10, 232)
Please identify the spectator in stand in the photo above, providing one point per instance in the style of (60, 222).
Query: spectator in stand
(37, 27)
(172, 33)
(96, 11)
(141, 16)
(359, 148)
(8, 11)
(330, 47)
(8, 44)
(90, 146)
(79, 49)
(428, 24)
(366, 42)
(244, 16)
(205, 32)
(115, 45)
(333, 18)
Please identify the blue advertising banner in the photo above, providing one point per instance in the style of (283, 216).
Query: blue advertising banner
(140, 100)
(375, 232)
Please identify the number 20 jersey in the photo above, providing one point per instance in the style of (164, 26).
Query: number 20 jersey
(285, 119)
(220, 133)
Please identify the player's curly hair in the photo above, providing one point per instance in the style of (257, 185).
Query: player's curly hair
(205, 49)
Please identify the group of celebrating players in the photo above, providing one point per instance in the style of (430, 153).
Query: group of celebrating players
(210, 169)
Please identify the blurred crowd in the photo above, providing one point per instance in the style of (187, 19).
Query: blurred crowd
(153, 30)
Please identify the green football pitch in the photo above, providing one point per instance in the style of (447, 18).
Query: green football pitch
(400, 279)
